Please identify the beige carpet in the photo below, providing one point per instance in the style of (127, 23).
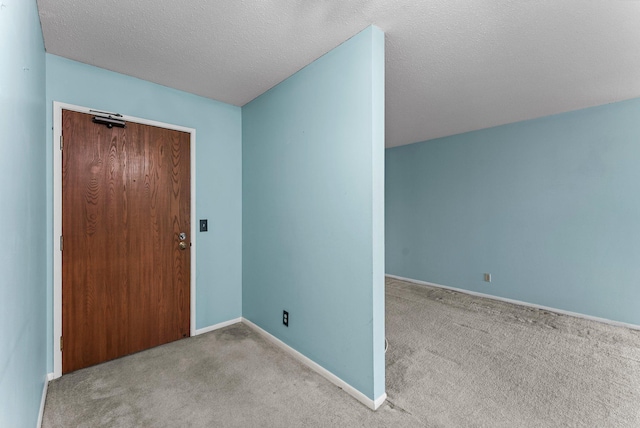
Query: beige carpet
(459, 361)
(453, 361)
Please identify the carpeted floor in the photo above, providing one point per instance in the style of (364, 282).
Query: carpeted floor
(454, 361)
(457, 360)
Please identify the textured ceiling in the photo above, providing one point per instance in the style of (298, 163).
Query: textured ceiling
(451, 65)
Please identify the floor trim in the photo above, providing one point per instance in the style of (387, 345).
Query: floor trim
(217, 326)
(519, 302)
(47, 378)
(372, 404)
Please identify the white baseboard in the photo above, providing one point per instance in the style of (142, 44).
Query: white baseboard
(519, 302)
(372, 404)
(379, 401)
(217, 326)
(48, 377)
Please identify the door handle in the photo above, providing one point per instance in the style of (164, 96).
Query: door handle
(183, 245)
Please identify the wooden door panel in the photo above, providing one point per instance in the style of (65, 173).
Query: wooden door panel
(126, 197)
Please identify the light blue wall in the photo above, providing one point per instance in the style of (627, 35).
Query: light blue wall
(313, 170)
(218, 172)
(22, 253)
(550, 207)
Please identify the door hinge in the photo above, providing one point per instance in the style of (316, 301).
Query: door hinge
(61, 242)
(60, 343)
(61, 142)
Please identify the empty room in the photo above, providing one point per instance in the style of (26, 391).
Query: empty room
(365, 213)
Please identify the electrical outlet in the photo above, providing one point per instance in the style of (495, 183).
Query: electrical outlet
(285, 318)
(487, 277)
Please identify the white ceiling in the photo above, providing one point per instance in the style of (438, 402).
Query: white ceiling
(451, 65)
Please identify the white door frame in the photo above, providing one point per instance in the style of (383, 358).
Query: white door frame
(57, 221)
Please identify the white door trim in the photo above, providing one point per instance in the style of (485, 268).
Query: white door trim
(57, 221)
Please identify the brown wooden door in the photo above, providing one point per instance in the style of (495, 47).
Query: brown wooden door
(125, 200)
